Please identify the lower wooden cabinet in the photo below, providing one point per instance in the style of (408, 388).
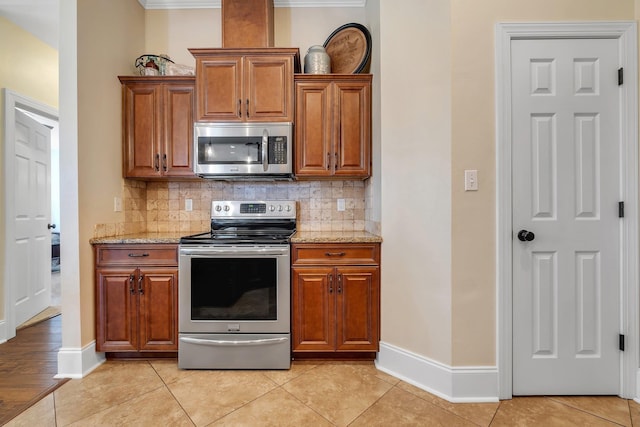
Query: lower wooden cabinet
(136, 298)
(336, 298)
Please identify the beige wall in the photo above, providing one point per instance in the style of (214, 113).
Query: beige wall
(415, 79)
(110, 37)
(28, 67)
(473, 147)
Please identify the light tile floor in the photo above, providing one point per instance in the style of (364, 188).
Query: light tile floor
(157, 393)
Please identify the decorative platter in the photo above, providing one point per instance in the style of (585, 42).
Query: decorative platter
(349, 48)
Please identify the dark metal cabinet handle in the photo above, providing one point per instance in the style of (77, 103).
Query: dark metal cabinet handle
(131, 289)
(247, 108)
(138, 255)
(526, 236)
(328, 161)
(140, 279)
(339, 283)
(335, 253)
(330, 283)
(50, 226)
(335, 164)
(164, 162)
(239, 107)
(157, 163)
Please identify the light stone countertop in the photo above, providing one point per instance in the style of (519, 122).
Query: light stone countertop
(298, 237)
(141, 238)
(335, 237)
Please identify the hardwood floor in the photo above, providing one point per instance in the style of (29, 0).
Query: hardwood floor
(28, 364)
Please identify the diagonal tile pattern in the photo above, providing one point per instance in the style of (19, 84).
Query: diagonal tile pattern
(152, 393)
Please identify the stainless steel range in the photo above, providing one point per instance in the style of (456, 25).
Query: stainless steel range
(234, 288)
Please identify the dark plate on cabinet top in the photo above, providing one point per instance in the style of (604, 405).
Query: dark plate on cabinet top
(349, 48)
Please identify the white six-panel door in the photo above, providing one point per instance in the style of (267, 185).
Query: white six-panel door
(31, 246)
(565, 190)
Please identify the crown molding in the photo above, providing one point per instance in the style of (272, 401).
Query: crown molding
(215, 4)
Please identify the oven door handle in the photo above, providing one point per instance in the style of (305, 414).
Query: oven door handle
(208, 252)
(231, 343)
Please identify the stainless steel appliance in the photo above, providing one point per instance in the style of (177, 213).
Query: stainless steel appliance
(234, 288)
(252, 151)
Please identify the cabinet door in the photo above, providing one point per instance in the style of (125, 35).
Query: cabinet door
(268, 88)
(357, 308)
(141, 129)
(158, 292)
(219, 89)
(352, 138)
(116, 310)
(313, 135)
(177, 153)
(313, 308)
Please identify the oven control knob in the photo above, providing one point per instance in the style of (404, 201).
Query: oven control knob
(288, 208)
(272, 208)
(226, 208)
(218, 208)
(279, 208)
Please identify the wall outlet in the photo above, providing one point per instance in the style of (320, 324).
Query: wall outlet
(188, 204)
(117, 204)
(471, 180)
(340, 205)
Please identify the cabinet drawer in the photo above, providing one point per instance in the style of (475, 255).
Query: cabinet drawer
(335, 254)
(151, 254)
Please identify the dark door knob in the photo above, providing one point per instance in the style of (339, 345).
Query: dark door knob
(526, 236)
(50, 226)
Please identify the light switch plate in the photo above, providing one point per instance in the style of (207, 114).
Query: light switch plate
(340, 205)
(117, 204)
(188, 204)
(471, 180)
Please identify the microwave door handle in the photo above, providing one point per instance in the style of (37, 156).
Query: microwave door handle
(265, 146)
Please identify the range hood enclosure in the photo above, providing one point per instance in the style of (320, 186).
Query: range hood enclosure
(247, 23)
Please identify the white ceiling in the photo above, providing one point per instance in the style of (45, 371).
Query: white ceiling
(41, 17)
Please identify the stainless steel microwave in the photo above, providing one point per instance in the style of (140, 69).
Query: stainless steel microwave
(243, 150)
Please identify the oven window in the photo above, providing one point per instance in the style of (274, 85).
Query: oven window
(229, 150)
(234, 288)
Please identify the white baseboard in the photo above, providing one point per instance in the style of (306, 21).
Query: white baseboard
(77, 363)
(3, 331)
(637, 397)
(455, 384)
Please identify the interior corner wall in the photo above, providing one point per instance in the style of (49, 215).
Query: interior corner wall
(473, 147)
(29, 67)
(415, 132)
(110, 38)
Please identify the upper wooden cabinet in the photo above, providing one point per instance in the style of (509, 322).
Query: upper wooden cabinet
(333, 126)
(245, 85)
(157, 126)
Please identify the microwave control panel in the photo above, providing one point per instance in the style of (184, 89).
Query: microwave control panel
(277, 150)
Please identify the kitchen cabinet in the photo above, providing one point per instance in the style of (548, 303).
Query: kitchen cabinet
(157, 126)
(246, 84)
(333, 126)
(336, 299)
(136, 297)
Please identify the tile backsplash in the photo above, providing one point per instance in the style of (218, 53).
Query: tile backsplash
(160, 206)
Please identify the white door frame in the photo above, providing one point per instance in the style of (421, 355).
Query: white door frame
(11, 101)
(626, 34)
